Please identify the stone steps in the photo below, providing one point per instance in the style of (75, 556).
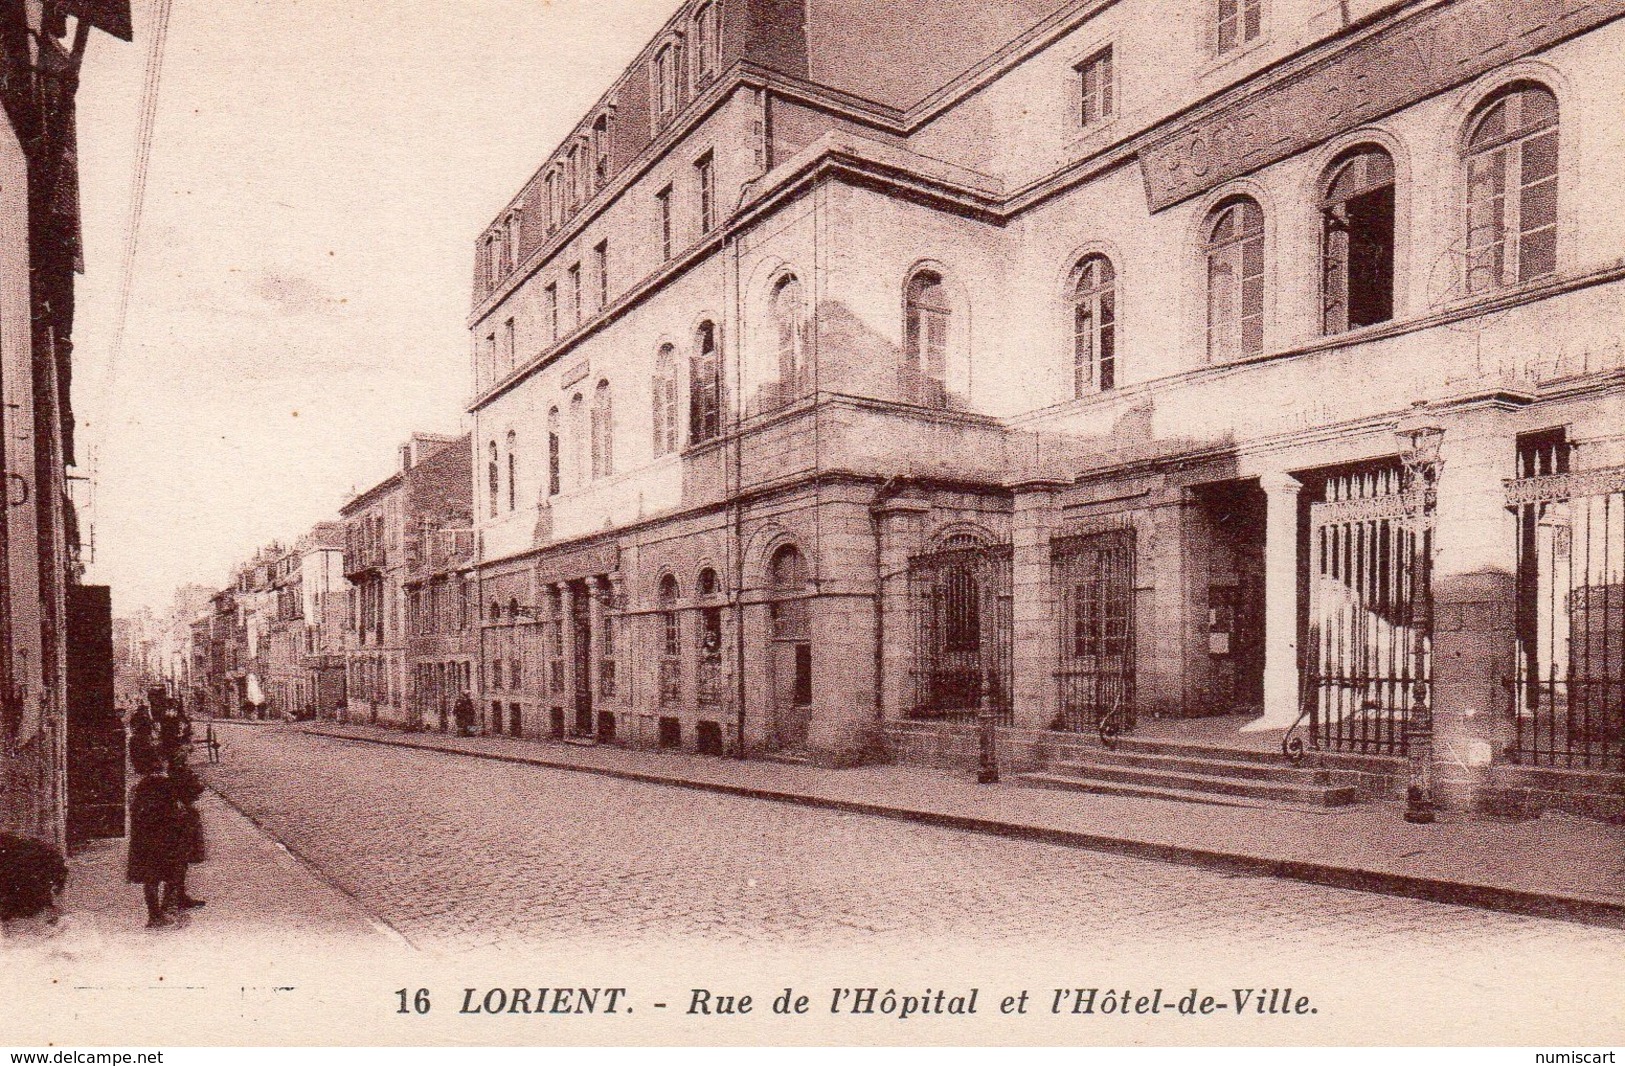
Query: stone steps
(1197, 774)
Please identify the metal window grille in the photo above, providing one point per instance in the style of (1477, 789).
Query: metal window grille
(1094, 578)
(961, 601)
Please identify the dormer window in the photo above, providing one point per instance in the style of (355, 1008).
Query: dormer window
(600, 151)
(665, 83)
(707, 44)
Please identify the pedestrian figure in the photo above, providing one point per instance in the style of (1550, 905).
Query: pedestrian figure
(143, 745)
(154, 860)
(465, 714)
(166, 835)
(187, 788)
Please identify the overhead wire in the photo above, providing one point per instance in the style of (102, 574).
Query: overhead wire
(159, 11)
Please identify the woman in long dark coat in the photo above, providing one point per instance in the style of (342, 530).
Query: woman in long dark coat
(156, 858)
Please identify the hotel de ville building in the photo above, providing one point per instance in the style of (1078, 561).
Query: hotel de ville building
(1232, 374)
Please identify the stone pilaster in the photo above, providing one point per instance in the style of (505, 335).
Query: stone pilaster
(1280, 602)
(902, 532)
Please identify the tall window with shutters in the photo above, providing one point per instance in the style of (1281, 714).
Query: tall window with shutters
(927, 317)
(1511, 162)
(513, 470)
(671, 642)
(1094, 327)
(705, 386)
(663, 210)
(663, 392)
(705, 177)
(1235, 279)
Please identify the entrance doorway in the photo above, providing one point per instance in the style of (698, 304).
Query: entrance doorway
(1234, 514)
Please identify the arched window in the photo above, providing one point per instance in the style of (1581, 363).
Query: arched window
(495, 614)
(789, 316)
(787, 570)
(552, 197)
(1094, 327)
(1357, 243)
(1235, 279)
(513, 470)
(707, 42)
(665, 79)
(663, 391)
(578, 440)
(513, 609)
(706, 583)
(493, 489)
(673, 635)
(603, 432)
(553, 464)
(704, 386)
(926, 315)
(1511, 157)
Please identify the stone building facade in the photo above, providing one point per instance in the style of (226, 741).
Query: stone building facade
(441, 617)
(52, 627)
(828, 388)
(383, 530)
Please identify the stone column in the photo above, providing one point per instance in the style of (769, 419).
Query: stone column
(567, 601)
(1474, 592)
(595, 628)
(1280, 603)
(1035, 642)
(626, 679)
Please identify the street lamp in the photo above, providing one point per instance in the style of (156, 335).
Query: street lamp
(1420, 438)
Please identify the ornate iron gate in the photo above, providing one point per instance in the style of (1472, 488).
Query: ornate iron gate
(1366, 648)
(1094, 575)
(1569, 688)
(961, 600)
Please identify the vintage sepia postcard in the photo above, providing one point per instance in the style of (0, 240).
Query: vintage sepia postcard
(812, 522)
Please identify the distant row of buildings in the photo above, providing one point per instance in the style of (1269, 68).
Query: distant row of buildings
(357, 619)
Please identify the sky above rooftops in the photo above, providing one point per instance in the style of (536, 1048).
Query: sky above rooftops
(319, 174)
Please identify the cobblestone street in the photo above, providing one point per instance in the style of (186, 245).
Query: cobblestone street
(461, 853)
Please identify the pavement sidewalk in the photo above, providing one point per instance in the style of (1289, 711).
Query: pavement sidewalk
(1555, 865)
(253, 886)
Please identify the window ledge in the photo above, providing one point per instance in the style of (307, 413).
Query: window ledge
(1218, 61)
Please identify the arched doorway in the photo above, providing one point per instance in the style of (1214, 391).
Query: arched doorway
(790, 647)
